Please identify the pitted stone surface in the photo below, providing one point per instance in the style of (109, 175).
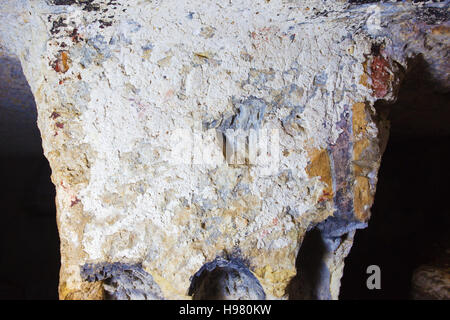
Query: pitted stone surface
(224, 279)
(122, 281)
(134, 97)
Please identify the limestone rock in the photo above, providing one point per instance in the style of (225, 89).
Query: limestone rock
(184, 132)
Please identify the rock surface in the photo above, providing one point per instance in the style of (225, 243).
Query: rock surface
(180, 133)
(225, 280)
(122, 281)
(432, 281)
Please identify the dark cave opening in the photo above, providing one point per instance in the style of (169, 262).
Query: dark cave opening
(409, 223)
(29, 244)
(410, 218)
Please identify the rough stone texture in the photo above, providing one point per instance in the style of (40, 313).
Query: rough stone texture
(432, 281)
(122, 281)
(224, 279)
(130, 93)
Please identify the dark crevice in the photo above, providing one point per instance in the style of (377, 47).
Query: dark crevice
(410, 218)
(311, 281)
(29, 252)
(29, 243)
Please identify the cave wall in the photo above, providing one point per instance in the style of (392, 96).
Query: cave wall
(141, 105)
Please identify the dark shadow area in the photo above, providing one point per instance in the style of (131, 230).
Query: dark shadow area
(29, 243)
(307, 283)
(29, 252)
(410, 218)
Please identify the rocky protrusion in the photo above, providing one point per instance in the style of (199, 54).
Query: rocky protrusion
(122, 281)
(224, 279)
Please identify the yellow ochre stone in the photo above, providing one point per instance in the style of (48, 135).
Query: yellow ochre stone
(319, 166)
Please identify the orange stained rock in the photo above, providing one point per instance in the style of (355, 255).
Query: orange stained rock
(320, 167)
